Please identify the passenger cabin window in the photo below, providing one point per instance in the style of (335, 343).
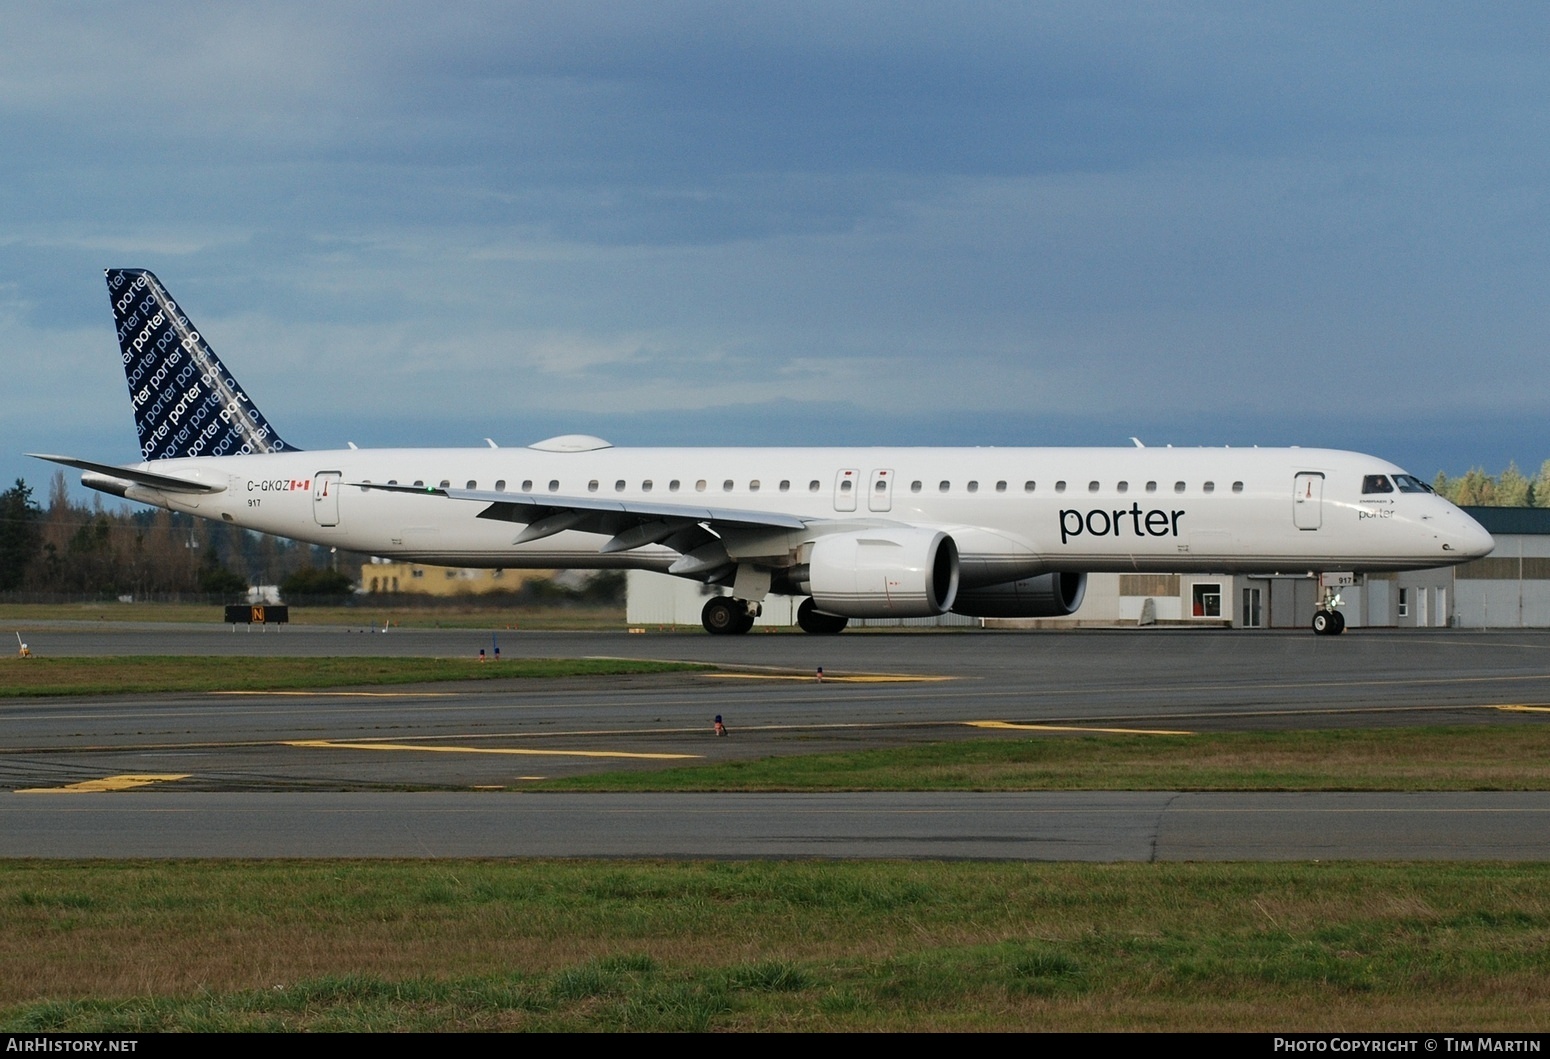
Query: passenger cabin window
(1151, 487)
(619, 486)
(915, 487)
(753, 486)
(726, 486)
(419, 481)
(645, 486)
(699, 486)
(1060, 487)
(1208, 487)
(473, 485)
(554, 485)
(1237, 487)
(527, 485)
(943, 487)
(1122, 487)
(592, 486)
(1000, 487)
(1377, 483)
(1178, 487)
(785, 485)
(446, 483)
(672, 487)
(500, 485)
(812, 487)
(1027, 487)
(974, 487)
(880, 487)
(1092, 487)
(845, 485)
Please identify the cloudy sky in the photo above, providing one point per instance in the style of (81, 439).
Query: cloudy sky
(849, 223)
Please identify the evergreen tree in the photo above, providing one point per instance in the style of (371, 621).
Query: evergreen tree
(21, 535)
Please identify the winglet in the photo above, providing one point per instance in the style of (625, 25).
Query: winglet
(186, 402)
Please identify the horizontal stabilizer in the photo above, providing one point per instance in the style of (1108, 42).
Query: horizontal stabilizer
(151, 480)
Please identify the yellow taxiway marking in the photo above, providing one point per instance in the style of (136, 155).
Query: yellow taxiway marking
(107, 783)
(1073, 728)
(353, 694)
(1516, 708)
(859, 678)
(331, 745)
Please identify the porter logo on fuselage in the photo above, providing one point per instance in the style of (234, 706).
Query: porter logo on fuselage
(1116, 522)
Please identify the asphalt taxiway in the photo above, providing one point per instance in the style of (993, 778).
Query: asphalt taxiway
(878, 690)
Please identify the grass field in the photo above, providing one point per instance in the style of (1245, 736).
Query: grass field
(29, 677)
(760, 946)
(362, 614)
(1494, 758)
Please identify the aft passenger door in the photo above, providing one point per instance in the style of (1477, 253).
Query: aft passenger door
(1308, 500)
(325, 498)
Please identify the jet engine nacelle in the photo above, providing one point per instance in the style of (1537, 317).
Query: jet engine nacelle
(1045, 596)
(883, 573)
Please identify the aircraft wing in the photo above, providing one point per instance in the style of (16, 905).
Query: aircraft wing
(165, 482)
(686, 528)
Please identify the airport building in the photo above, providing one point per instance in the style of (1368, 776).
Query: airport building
(380, 577)
(1510, 588)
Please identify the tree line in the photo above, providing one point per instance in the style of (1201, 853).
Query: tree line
(66, 548)
(1510, 488)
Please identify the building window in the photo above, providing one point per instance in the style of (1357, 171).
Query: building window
(1404, 603)
(1206, 601)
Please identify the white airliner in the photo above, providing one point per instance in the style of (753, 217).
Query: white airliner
(860, 532)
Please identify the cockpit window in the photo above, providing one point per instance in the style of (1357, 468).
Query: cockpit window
(1377, 483)
(1410, 484)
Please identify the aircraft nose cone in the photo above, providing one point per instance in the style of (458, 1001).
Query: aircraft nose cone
(1471, 538)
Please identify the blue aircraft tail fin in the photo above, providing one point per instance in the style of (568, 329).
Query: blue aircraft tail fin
(186, 402)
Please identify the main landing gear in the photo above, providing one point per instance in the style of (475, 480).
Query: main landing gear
(725, 616)
(812, 621)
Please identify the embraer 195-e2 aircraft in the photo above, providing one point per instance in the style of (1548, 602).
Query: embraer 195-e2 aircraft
(860, 532)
